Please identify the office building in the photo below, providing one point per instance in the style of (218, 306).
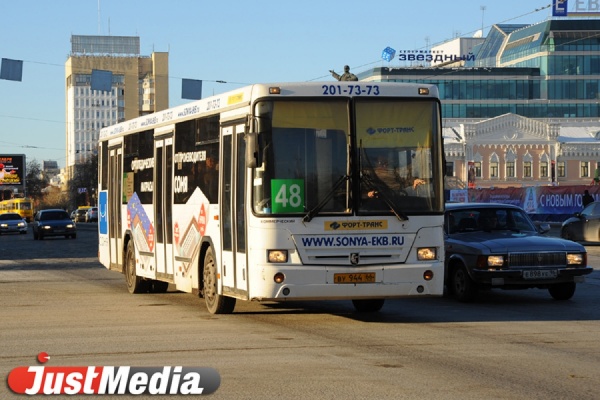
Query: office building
(109, 81)
(522, 107)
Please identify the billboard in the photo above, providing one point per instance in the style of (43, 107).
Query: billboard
(12, 169)
(575, 8)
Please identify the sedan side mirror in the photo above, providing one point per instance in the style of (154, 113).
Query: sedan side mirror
(544, 228)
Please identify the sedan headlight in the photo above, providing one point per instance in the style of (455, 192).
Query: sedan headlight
(495, 261)
(4, 225)
(492, 262)
(576, 258)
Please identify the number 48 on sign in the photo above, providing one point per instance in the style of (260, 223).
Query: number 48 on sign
(287, 195)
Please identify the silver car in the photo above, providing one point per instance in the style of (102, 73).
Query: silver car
(497, 246)
(12, 223)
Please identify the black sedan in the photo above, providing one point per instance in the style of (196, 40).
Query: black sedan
(492, 245)
(584, 226)
(53, 222)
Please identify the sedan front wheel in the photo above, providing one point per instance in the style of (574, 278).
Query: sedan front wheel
(463, 287)
(562, 291)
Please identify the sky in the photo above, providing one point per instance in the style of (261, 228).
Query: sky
(240, 42)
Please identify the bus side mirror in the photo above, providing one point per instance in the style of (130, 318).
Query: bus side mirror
(251, 150)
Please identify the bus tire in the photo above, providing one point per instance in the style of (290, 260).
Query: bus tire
(155, 286)
(135, 284)
(215, 303)
(368, 305)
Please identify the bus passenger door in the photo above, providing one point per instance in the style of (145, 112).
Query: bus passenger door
(115, 242)
(163, 206)
(233, 221)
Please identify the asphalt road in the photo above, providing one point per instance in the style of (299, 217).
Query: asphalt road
(57, 298)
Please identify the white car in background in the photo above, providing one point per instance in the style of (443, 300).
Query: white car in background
(12, 223)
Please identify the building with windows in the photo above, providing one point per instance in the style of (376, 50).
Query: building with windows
(524, 109)
(129, 85)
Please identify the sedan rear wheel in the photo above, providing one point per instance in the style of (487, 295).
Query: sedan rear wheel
(562, 291)
(463, 286)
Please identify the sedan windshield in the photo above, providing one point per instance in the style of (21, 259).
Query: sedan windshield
(10, 217)
(487, 220)
(54, 215)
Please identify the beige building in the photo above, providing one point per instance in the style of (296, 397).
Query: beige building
(138, 85)
(514, 151)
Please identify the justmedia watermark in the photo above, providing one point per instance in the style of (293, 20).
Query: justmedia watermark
(165, 380)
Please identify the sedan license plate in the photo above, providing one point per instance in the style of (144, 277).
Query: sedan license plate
(540, 274)
(363, 277)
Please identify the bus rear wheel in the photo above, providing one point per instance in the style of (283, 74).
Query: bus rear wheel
(215, 303)
(135, 284)
(155, 286)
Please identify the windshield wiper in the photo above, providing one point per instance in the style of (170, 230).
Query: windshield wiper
(384, 196)
(315, 210)
(371, 184)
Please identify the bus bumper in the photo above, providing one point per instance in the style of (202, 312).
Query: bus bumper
(331, 283)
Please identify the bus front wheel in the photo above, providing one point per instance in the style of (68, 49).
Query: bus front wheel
(215, 303)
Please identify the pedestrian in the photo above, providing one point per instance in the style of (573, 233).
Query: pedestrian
(587, 198)
(596, 180)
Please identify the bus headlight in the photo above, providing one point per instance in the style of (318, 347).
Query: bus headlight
(277, 256)
(426, 253)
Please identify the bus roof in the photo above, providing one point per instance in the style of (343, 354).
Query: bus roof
(244, 96)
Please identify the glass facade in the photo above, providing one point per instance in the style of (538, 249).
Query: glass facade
(545, 70)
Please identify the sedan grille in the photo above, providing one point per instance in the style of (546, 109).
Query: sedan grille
(556, 259)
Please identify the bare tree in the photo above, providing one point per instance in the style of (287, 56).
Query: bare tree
(35, 181)
(82, 187)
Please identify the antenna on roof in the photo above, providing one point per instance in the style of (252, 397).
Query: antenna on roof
(483, 8)
(99, 26)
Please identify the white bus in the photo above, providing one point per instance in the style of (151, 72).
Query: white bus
(274, 192)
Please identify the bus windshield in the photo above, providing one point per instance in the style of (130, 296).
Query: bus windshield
(310, 157)
(395, 148)
(304, 157)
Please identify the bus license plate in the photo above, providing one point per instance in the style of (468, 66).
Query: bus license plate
(363, 277)
(540, 274)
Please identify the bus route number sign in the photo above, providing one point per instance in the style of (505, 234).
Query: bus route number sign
(287, 195)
